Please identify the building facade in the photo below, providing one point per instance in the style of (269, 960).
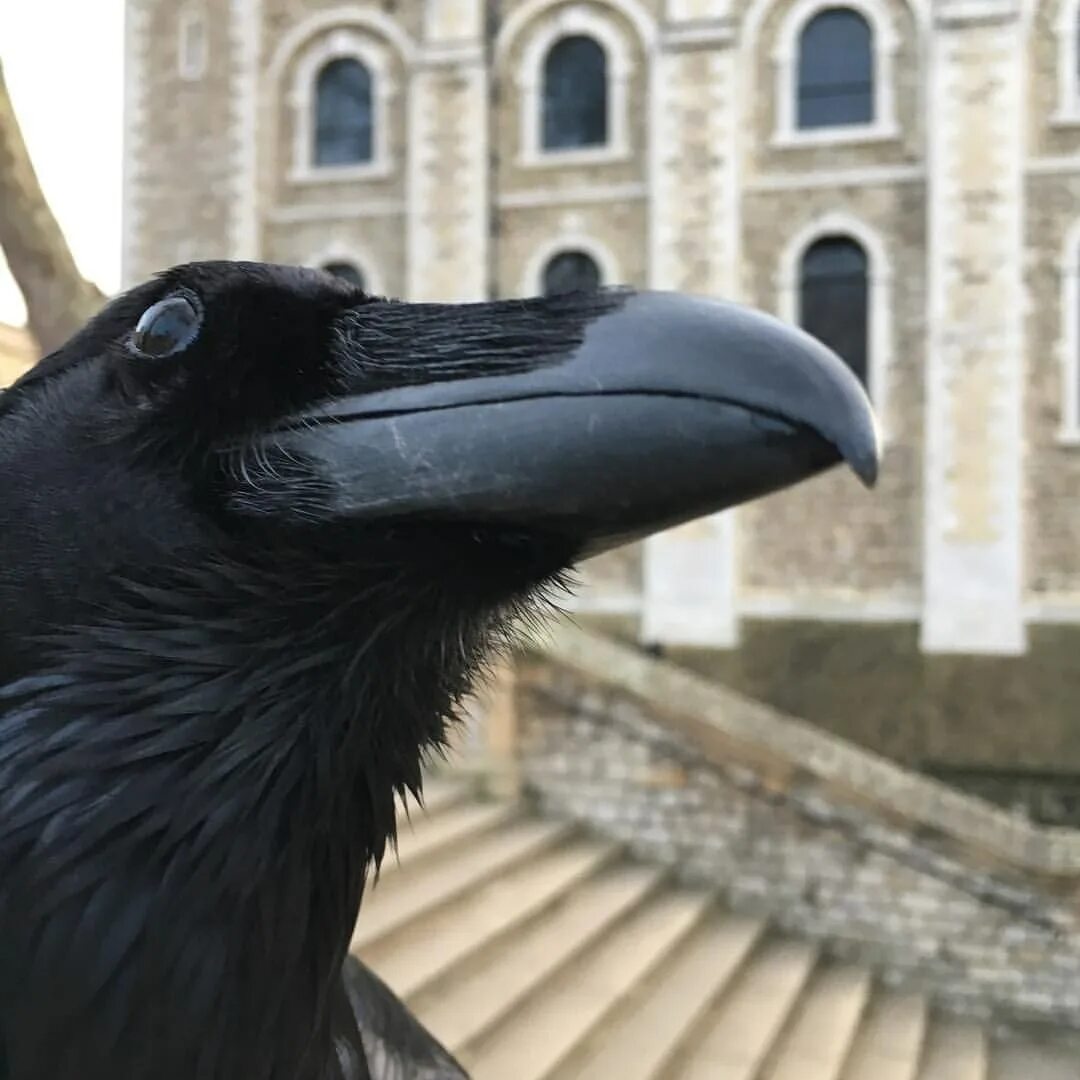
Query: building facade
(902, 176)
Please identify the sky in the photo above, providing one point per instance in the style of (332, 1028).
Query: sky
(63, 61)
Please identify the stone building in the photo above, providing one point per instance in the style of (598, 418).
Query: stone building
(903, 176)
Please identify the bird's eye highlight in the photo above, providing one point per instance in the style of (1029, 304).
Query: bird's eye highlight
(167, 327)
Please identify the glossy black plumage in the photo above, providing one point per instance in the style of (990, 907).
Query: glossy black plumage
(196, 763)
(216, 673)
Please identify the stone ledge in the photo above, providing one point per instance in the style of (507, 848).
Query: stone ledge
(728, 728)
(769, 816)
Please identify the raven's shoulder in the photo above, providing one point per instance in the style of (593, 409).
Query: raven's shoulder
(396, 1045)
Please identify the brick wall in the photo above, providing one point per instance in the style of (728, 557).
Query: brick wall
(939, 890)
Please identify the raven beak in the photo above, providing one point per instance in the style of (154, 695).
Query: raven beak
(655, 408)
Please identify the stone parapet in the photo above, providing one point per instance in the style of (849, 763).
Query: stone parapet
(939, 889)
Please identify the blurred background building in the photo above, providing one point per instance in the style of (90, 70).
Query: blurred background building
(899, 176)
(643, 862)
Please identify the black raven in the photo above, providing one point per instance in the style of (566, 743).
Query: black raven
(258, 531)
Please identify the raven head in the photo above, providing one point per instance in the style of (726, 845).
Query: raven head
(257, 532)
(270, 493)
(279, 407)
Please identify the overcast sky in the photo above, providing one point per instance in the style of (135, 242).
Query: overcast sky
(63, 61)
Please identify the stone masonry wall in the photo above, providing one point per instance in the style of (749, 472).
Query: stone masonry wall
(931, 908)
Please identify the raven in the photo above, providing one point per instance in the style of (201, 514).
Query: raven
(258, 533)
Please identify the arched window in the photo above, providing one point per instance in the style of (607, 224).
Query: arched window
(575, 96)
(347, 271)
(834, 299)
(343, 113)
(836, 70)
(571, 271)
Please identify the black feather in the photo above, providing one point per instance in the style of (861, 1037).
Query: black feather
(204, 720)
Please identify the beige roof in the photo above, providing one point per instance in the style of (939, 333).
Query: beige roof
(536, 952)
(17, 352)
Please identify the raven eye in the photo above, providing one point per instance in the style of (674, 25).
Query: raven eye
(167, 327)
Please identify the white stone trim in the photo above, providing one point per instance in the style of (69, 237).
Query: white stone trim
(599, 193)
(847, 606)
(596, 600)
(450, 54)
(823, 606)
(715, 33)
(690, 574)
(453, 21)
(340, 44)
(341, 250)
(190, 64)
(834, 178)
(1063, 608)
(529, 80)
(879, 300)
(463, 223)
(532, 280)
(1069, 341)
(973, 586)
(335, 211)
(961, 13)
(884, 43)
(1068, 104)
(246, 44)
(694, 12)
(1051, 165)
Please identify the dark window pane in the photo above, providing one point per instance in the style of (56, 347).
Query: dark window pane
(343, 114)
(575, 94)
(836, 70)
(571, 271)
(834, 299)
(347, 271)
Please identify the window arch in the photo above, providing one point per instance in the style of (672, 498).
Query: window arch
(342, 89)
(835, 70)
(575, 94)
(834, 299)
(344, 120)
(571, 271)
(347, 271)
(573, 81)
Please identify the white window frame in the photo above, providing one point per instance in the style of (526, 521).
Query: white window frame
(532, 281)
(1068, 105)
(884, 43)
(879, 299)
(191, 68)
(342, 251)
(340, 44)
(1069, 342)
(566, 22)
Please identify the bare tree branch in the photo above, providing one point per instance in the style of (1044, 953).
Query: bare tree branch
(58, 298)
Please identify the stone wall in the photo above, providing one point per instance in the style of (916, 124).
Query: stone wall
(181, 151)
(939, 890)
(1052, 461)
(706, 194)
